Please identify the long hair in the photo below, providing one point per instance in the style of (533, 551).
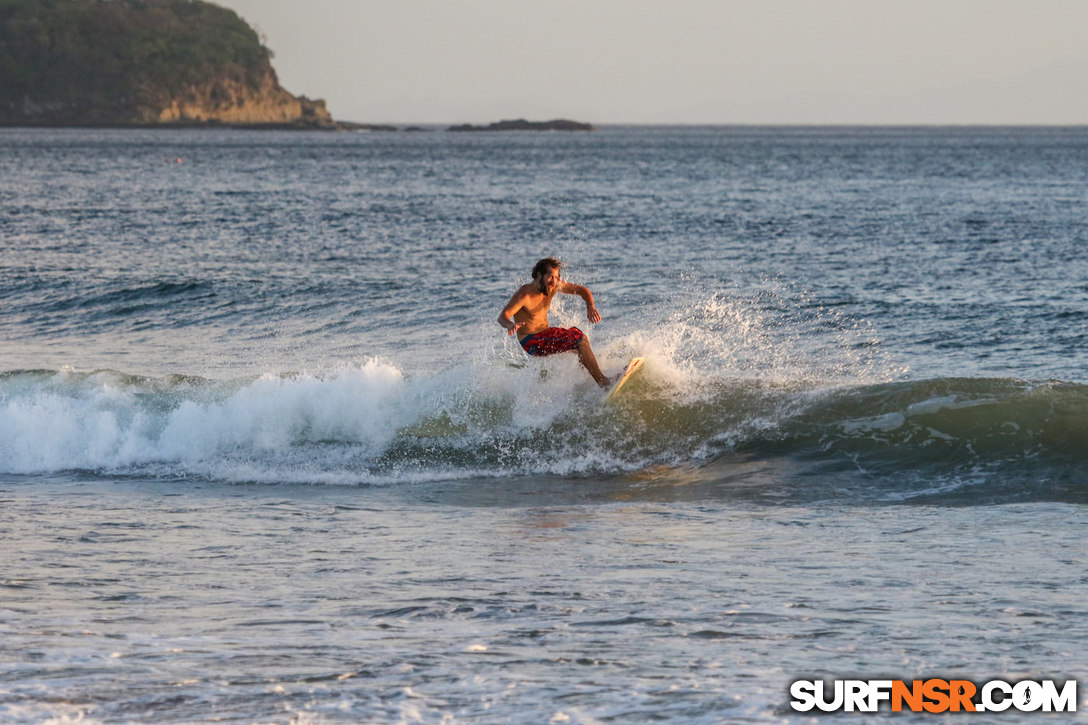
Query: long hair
(545, 265)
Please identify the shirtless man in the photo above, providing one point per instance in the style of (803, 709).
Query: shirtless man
(526, 315)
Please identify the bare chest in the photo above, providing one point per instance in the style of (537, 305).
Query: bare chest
(535, 308)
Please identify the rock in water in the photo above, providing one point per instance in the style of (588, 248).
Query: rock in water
(523, 125)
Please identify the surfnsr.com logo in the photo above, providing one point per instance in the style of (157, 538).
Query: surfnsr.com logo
(934, 696)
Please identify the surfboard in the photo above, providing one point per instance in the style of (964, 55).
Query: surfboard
(628, 371)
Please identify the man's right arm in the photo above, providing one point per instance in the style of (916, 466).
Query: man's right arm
(506, 317)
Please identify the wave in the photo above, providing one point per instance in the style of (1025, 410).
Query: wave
(947, 439)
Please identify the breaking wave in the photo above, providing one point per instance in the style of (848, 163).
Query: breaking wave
(370, 424)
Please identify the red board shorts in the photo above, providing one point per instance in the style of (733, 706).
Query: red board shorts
(553, 340)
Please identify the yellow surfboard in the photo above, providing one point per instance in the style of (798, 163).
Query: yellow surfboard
(628, 371)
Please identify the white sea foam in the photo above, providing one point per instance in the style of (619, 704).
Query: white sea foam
(106, 421)
(333, 427)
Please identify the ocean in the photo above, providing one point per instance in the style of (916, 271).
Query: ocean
(266, 455)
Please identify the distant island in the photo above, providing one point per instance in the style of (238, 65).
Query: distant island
(523, 125)
(141, 63)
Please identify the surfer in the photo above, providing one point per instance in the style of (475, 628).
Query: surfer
(526, 315)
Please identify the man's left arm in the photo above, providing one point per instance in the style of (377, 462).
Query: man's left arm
(587, 296)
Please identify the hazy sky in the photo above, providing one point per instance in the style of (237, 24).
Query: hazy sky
(683, 61)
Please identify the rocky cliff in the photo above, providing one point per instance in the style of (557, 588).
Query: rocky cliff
(229, 101)
(140, 63)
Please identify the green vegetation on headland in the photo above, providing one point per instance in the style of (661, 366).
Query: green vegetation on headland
(140, 63)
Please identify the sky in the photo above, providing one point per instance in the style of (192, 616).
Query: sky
(683, 61)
